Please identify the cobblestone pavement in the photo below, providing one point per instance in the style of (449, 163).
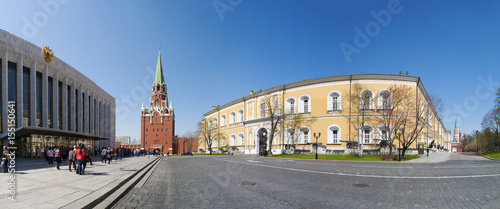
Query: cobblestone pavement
(254, 182)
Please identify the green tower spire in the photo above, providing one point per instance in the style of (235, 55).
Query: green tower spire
(456, 122)
(159, 71)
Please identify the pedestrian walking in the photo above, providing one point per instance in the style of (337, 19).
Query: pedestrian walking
(50, 154)
(37, 153)
(121, 154)
(104, 155)
(80, 156)
(45, 150)
(72, 158)
(110, 154)
(5, 159)
(427, 152)
(58, 156)
(88, 155)
(116, 154)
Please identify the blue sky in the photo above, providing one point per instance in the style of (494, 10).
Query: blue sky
(214, 56)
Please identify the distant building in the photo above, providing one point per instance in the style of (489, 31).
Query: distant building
(456, 145)
(123, 139)
(158, 120)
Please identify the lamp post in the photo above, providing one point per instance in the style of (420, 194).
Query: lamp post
(319, 134)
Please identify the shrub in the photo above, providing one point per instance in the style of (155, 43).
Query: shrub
(394, 157)
(384, 156)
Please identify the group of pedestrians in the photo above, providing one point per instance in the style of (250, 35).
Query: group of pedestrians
(107, 154)
(54, 153)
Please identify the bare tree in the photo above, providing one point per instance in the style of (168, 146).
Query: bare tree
(292, 124)
(413, 117)
(207, 133)
(360, 105)
(271, 111)
(437, 102)
(389, 111)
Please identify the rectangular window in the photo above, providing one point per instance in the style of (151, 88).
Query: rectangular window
(59, 90)
(262, 109)
(77, 122)
(306, 106)
(335, 136)
(384, 135)
(26, 96)
(335, 103)
(306, 137)
(367, 136)
(50, 102)
(68, 106)
(292, 107)
(38, 99)
(12, 81)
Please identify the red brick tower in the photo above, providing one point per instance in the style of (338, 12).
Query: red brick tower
(158, 120)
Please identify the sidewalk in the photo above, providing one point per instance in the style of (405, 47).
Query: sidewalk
(434, 157)
(39, 185)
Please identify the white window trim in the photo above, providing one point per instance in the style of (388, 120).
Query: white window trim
(215, 143)
(232, 140)
(288, 105)
(301, 104)
(330, 101)
(232, 118)
(239, 117)
(372, 130)
(379, 132)
(371, 105)
(330, 134)
(223, 141)
(223, 120)
(293, 140)
(240, 140)
(380, 99)
(301, 137)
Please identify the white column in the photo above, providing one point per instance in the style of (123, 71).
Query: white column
(45, 93)
(33, 94)
(19, 101)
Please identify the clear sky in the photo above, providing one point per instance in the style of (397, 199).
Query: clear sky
(215, 54)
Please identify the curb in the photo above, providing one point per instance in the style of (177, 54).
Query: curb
(107, 201)
(94, 198)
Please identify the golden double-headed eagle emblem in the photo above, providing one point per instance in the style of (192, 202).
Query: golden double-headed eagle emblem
(47, 52)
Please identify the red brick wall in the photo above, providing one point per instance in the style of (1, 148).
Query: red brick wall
(157, 133)
(183, 145)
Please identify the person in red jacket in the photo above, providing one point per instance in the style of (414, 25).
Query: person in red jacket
(80, 156)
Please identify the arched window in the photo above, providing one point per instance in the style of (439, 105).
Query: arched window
(215, 123)
(209, 124)
(333, 134)
(366, 100)
(215, 142)
(240, 116)
(305, 135)
(232, 118)
(262, 109)
(334, 101)
(232, 140)
(305, 104)
(290, 136)
(223, 120)
(241, 139)
(223, 141)
(384, 132)
(367, 134)
(290, 106)
(384, 99)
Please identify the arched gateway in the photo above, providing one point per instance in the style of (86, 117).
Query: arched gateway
(262, 139)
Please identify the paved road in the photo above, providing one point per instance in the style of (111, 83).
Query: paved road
(226, 182)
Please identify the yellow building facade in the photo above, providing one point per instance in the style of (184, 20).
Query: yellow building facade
(325, 106)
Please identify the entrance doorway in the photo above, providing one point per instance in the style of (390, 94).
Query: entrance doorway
(262, 134)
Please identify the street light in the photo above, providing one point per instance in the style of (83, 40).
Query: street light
(399, 140)
(319, 134)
